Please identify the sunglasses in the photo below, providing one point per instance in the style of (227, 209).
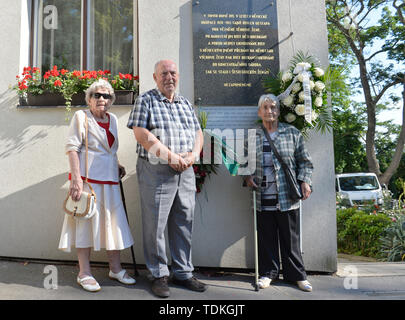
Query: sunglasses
(98, 95)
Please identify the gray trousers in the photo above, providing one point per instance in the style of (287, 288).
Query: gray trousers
(167, 199)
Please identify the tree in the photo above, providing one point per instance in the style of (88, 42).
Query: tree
(348, 131)
(354, 42)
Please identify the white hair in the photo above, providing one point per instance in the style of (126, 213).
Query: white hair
(100, 83)
(268, 97)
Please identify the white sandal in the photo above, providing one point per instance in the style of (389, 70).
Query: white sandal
(120, 276)
(88, 287)
(264, 282)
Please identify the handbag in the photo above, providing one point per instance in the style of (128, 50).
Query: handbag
(294, 189)
(85, 207)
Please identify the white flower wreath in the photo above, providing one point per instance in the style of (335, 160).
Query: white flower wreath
(302, 91)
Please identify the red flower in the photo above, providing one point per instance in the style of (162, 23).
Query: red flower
(22, 85)
(54, 72)
(76, 73)
(63, 71)
(57, 83)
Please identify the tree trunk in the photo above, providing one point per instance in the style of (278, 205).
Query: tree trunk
(373, 165)
(399, 149)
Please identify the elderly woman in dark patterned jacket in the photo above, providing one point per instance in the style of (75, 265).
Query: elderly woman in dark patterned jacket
(277, 214)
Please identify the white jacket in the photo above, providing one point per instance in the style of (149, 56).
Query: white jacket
(102, 160)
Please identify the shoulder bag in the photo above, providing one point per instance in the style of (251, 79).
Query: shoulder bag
(294, 189)
(85, 208)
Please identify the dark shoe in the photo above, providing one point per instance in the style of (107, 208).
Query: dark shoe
(160, 287)
(191, 283)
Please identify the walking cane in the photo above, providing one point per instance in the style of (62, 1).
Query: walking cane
(255, 239)
(126, 214)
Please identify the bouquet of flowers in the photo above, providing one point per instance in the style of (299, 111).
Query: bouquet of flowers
(302, 90)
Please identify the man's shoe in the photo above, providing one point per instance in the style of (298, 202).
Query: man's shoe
(160, 287)
(191, 283)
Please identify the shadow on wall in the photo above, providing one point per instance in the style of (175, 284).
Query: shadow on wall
(223, 228)
(18, 132)
(32, 218)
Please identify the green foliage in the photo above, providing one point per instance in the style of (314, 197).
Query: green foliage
(393, 242)
(360, 232)
(349, 128)
(368, 36)
(203, 170)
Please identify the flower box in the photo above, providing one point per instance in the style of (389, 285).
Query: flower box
(53, 99)
(124, 97)
(79, 99)
(45, 99)
(62, 81)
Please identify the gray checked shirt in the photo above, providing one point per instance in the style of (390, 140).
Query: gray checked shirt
(174, 124)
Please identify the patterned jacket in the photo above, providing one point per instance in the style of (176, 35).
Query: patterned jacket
(291, 147)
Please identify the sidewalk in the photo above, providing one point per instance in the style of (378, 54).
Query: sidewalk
(354, 280)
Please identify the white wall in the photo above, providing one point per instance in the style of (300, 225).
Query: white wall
(34, 167)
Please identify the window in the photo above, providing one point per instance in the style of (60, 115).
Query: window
(83, 34)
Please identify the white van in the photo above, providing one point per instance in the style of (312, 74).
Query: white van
(358, 189)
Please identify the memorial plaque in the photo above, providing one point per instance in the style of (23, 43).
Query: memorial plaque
(235, 47)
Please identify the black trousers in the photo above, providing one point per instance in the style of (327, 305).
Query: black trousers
(280, 230)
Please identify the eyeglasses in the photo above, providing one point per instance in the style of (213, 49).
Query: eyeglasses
(98, 95)
(273, 109)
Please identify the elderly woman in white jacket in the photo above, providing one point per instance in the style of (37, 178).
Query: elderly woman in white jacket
(108, 228)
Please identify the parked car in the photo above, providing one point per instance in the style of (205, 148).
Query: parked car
(359, 189)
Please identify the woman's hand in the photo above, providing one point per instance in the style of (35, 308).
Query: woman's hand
(76, 182)
(76, 188)
(306, 190)
(250, 182)
(121, 171)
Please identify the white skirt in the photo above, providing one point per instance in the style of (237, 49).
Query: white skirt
(107, 229)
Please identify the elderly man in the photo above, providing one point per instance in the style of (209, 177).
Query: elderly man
(169, 140)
